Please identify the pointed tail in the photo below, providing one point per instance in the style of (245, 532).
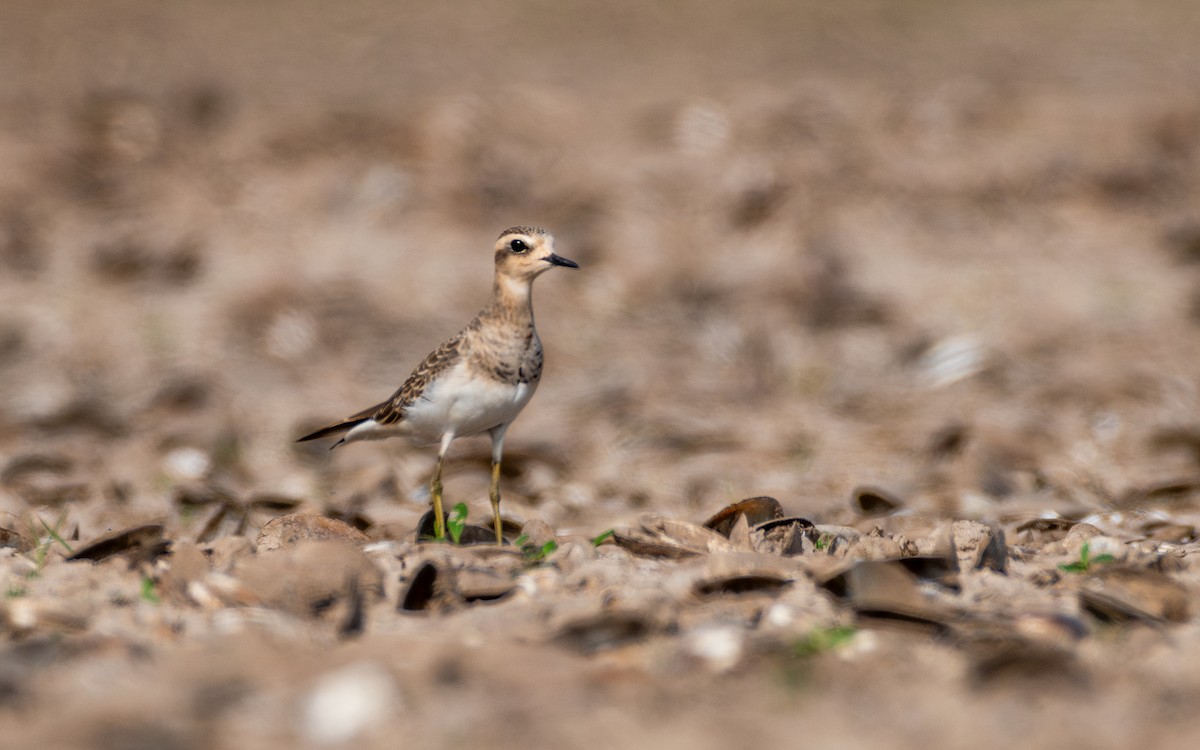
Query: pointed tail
(345, 425)
(333, 429)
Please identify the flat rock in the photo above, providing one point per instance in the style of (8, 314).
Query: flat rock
(667, 537)
(978, 546)
(1121, 594)
(289, 530)
(309, 577)
(137, 543)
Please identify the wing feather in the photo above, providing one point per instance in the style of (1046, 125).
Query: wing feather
(436, 363)
(392, 410)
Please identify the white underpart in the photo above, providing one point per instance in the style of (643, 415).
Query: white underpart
(459, 403)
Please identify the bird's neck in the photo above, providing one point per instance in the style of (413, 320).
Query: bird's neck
(512, 300)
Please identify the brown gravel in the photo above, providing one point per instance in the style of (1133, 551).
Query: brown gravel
(916, 284)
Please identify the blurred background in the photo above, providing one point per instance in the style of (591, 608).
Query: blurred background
(951, 250)
(817, 240)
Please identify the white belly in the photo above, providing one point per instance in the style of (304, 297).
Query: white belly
(455, 403)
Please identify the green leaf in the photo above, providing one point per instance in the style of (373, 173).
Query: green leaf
(823, 639)
(457, 522)
(1086, 561)
(537, 554)
(53, 531)
(596, 542)
(148, 592)
(41, 553)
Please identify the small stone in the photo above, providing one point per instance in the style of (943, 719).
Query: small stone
(875, 501)
(227, 551)
(187, 464)
(952, 359)
(978, 546)
(571, 554)
(604, 630)
(540, 581)
(719, 647)
(286, 531)
(483, 584)
(310, 578)
(537, 532)
(349, 702)
(187, 565)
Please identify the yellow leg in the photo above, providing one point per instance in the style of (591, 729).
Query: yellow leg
(435, 490)
(494, 496)
(497, 434)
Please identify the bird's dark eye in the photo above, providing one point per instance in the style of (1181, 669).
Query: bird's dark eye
(518, 246)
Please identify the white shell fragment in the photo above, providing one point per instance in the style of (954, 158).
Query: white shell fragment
(347, 703)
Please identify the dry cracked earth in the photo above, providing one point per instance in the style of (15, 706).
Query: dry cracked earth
(872, 418)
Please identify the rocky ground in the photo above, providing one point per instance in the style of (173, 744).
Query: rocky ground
(872, 417)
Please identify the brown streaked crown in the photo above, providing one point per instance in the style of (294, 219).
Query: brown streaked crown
(526, 230)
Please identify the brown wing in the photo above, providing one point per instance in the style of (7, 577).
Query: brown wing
(438, 361)
(392, 410)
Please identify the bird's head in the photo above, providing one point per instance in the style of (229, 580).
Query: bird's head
(524, 253)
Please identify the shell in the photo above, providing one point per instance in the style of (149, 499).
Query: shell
(874, 501)
(1120, 594)
(783, 536)
(755, 510)
(978, 546)
(450, 579)
(138, 543)
(886, 589)
(286, 531)
(666, 537)
(742, 572)
(605, 630)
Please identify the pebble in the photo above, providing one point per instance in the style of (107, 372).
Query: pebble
(346, 703)
(718, 647)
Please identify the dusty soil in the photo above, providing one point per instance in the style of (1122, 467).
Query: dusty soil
(928, 274)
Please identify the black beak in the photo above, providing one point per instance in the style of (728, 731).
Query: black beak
(558, 260)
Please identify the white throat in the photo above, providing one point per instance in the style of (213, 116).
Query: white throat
(515, 290)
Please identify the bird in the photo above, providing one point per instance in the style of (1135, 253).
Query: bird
(477, 381)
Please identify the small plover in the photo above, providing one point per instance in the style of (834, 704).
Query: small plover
(479, 380)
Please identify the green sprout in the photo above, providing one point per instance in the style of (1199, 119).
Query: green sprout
(823, 541)
(535, 554)
(53, 532)
(596, 542)
(797, 665)
(457, 522)
(823, 639)
(1085, 561)
(148, 592)
(41, 553)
